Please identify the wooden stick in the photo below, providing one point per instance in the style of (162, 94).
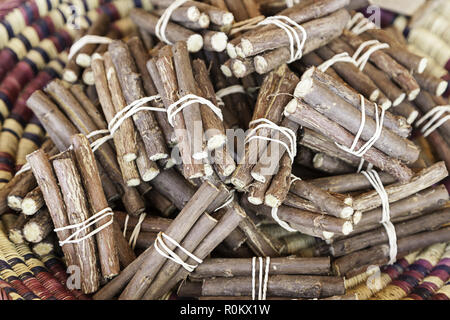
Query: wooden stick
(124, 251)
(325, 163)
(348, 182)
(15, 228)
(258, 242)
(213, 126)
(88, 106)
(394, 123)
(32, 202)
(307, 116)
(217, 267)
(278, 286)
(423, 179)
(112, 101)
(428, 222)
(132, 90)
(78, 212)
(19, 191)
(383, 61)
(177, 230)
(198, 232)
(46, 180)
(174, 32)
(169, 95)
(388, 142)
(344, 265)
(281, 182)
(430, 83)
(149, 224)
(91, 180)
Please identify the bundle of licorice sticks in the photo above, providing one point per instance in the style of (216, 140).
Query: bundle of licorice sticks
(219, 149)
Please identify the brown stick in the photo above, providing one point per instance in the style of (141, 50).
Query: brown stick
(32, 202)
(281, 182)
(307, 116)
(243, 267)
(149, 224)
(112, 101)
(15, 228)
(174, 32)
(124, 251)
(309, 90)
(19, 191)
(132, 90)
(423, 179)
(430, 83)
(46, 180)
(78, 212)
(348, 182)
(278, 286)
(383, 61)
(177, 230)
(88, 106)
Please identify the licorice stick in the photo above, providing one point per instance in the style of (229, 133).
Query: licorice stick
(426, 103)
(348, 264)
(305, 115)
(149, 224)
(421, 180)
(125, 254)
(38, 227)
(45, 246)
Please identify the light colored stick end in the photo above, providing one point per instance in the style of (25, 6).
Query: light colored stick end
(133, 182)
(290, 107)
(258, 176)
(422, 65)
(247, 47)
(15, 202)
(347, 227)
(327, 235)
(374, 95)
(255, 201)
(150, 174)
(216, 141)
(70, 76)
(229, 170)
(29, 207)
(399, 100)
(357, 215)
(412, 117)
(231, 51)
(219, 41)
(128, 157)
(227, 19)
(442, 87)
(260, 64)
(194, 43)
(272, 201)
(346, 212)
(83, 60)
(32, 232)
(193, 13)
(413, 94)
(226, 71)
(158, 156)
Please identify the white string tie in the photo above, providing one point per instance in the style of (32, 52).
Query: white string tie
(237, 88)
(172, 255)
(340, 57)
(379, 127)
(291, 149)
(82, 226)
(137, 229)
(274, 211)
(229, 200)
(127, 112)
(434, 123)
(87, 39)
(359, 24)
(354, 20)
(289, 27)
(173, 109)
(374, 45)
(375, 181)
(25, 167)
(263, 282)
(161, 25)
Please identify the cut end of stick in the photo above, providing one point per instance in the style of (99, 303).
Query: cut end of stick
(170, 163)
(29, 207)
(318, 160)
(260, 64)
(357, 215)
(194, 43)
(158, 156)
(83, 60)
(412, 117)
(229, 170)
(88, 77)
(200, 155)
(32, 232)
(203, 21)
(42, 249)
(133, 182)
(150, 174)
(386, 104)
(128, 157)
(15, 202)
(219, 41)
(374, 95)
(327, 235)
(193, 14)
(272, 201)
(422, 65)
(239, 68)
(290, 107)
(208, 170)
(346, 212)
(216, 141)
(70, 76)
(226, 71)
(399, 100)
(441, 88)
(231, 51)
(304, 86)
(347, 227)
(254, 200)
(413, 94)
(247, 47)
(239, 184)
(227, 18)
(258, 176)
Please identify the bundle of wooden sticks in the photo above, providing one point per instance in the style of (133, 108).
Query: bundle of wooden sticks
(232, 149)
